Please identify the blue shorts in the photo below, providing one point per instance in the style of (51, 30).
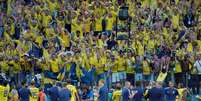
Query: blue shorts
(122, 75)
(138, 76)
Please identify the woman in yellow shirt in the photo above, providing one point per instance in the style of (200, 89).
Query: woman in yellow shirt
(146, 69)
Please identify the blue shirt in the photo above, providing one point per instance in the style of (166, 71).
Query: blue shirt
(139, 94)
(64, 94)
(24, 94)
(54, 93)
(88, 95)
(156, 94)
(103, 94)
(170, 94)
(47, 86)
(125, 94)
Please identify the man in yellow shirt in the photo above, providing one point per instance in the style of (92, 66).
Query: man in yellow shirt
(109, 23)
(4, 91)
(34, 92)
(73, 90)
(116, 96)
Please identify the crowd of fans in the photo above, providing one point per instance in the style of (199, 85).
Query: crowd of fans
(48, 42)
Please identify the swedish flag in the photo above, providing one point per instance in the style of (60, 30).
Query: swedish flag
(62, 73)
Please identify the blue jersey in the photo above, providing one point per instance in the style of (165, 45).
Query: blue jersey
(138, 94)
(156, 94)
(24, 94)
(103, 94)
(125, 94)
(64, 94)
(171, 93)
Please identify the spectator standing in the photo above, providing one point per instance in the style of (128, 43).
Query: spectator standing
(156, 93)
(116, 96)
(24, 93)
(54, 92)
(73, 90)
(126, 92)
(103, 91)
(87, 94)
(34, 92)
(14, 94)
(197, 66)
(41, 95)
(64, 93)
(138, 90)
(170, 92)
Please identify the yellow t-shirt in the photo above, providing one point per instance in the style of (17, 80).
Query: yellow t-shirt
(52, 5)
(130, 62)
(199, 44)
(100, 43)
(45, 54)
(178, 68)
(54, 65)
(190, 47)
(150, 45)
(73, 91)
(180, 91)
(46, 20)
(110, 22)
(4, 66)
(103, 61)
(16, 66)
(99, 67)
(175, 21)
(39, 39)
(87, 25)
(34, 93)
(146, 68)
(65, 39)
(4, 92)
(115, 66)
(98, 24)
(77, 27)
(121, 64)
(140, 48)
(116, 96)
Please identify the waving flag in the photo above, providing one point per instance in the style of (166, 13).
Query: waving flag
(62, 73)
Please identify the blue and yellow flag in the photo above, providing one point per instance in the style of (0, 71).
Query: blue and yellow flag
(62, 73)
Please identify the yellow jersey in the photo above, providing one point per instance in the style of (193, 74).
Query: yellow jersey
(4, 92)
(116, 96)
(73, 91)
(146, 68)
(54, 66)
(110, 22)
(121, 64)
(34, 93)
(130, 62)
(98, 24)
